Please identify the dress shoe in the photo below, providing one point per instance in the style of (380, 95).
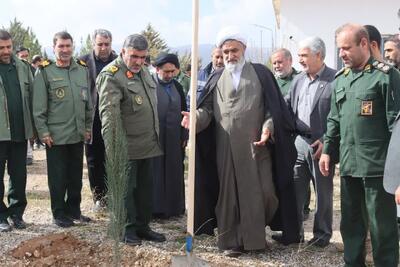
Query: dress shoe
(4, 226)
(286, 241)
(81, 218)
(17, 222)
(150, 235)
(234, 252)
(63, 222)
(132, 240)
(318, 242)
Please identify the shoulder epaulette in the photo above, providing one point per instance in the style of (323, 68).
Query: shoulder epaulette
(112, 69)
(45, 63)
(381, 66)
(81, 62)
(343, 70)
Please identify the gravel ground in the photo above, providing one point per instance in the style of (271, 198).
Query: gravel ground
(94, 236)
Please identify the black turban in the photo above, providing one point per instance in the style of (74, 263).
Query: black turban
(163, 58)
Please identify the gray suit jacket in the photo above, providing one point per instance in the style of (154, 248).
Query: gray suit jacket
(321, 104)
(391, 176)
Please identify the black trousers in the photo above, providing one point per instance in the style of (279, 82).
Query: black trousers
(138, 199)
(14, 153)
(95, 158)
(64, 168)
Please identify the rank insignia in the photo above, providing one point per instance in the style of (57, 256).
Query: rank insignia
(138, 99)
(346, 71)
(386, 68)
(60, 93)
(129, 74)
(82, 63)
(45, 63)
(367, 67)
(113, 69)
(366, 108)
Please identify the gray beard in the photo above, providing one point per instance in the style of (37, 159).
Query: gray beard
(232, 67)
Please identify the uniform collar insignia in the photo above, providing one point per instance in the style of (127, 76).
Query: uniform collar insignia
(129, 74)
(346, 71)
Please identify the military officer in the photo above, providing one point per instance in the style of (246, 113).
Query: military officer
(281, 60)
(127, 89)
(364, 107)
(15, 128)
(63, 117)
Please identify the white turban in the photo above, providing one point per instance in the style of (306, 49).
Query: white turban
(230, 33)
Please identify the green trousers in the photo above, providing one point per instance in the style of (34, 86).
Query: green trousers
(138, 199)
(64, 169)
(14, 153)
(365, 204)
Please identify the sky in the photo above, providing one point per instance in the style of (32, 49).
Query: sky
(172, 18)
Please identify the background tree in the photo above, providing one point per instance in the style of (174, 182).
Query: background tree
(186, 59)
(86, 47)
(156, 43)
(24, 37)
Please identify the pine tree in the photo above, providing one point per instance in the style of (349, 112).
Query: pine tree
(86, 47)
(24, 37)
(156, 43)
(186, 59)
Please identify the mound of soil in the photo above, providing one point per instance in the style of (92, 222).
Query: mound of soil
(55, 250)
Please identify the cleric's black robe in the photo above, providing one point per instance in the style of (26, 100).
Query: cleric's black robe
(283, 155)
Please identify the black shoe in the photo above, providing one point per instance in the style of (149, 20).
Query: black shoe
(63, 222)
(4, 226)
(132, 240)
(234, 252)
(17, 222)
(286, 241)
(29, 161)
(81, 218)
(318, 242)
(150, 235)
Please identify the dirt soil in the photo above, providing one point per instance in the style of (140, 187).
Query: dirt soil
(44, 244)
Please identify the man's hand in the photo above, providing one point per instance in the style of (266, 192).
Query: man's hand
(397, 195)
(317, 148)
(185, 120)
(324, 164)
(48, 141)
(88, 135)
(264, 138)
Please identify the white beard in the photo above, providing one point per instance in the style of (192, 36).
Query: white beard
(232, 67)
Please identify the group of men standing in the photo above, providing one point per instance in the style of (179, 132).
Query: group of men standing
(350, 116)
(261, 139)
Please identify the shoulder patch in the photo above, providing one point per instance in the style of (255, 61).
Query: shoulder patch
(81, 62)
(45, 63)
(382, 66)
(341, 71)
(112, 69)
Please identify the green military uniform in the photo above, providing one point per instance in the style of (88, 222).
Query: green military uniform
(132, 98)
(364, 107)
(284, 83)
(62, 110)
(15, 128)
(184, 80)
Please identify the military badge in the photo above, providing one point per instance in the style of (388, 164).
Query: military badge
(366, 108)
(129, 74)
(60, 93)
(113, 69)
(367, 67)
(380, 65)
(45, 63)
(346, 71)
(81, 62)
(138, 99)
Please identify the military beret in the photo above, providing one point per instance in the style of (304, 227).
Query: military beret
(163, 58)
